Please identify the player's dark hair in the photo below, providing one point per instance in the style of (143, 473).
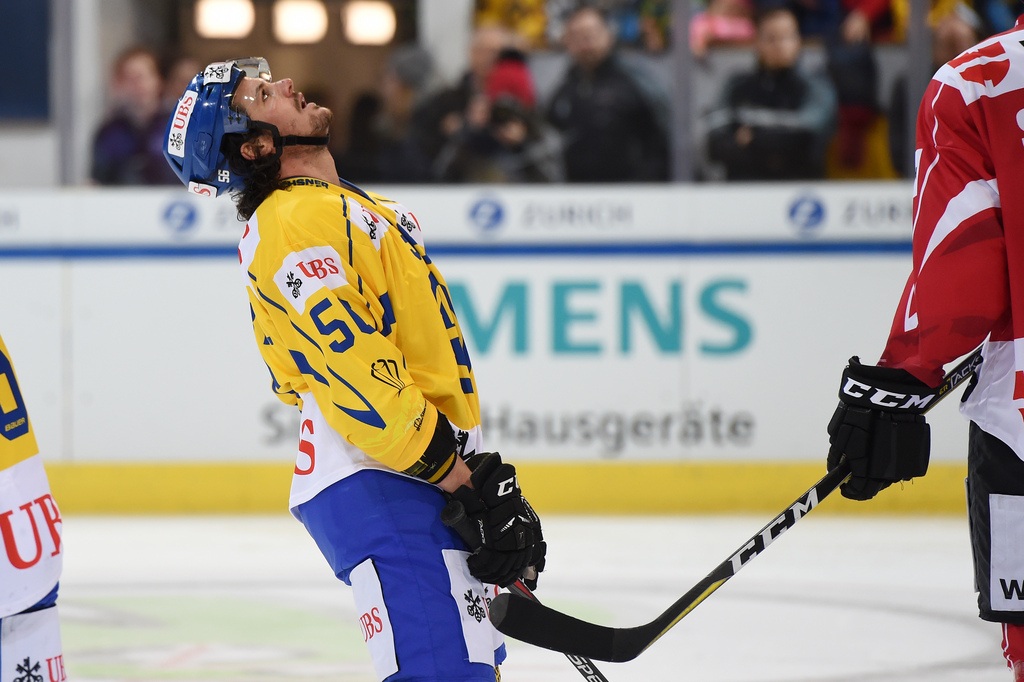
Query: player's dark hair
(261, 175)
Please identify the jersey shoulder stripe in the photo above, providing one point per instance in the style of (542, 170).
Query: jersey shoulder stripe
(989, 69)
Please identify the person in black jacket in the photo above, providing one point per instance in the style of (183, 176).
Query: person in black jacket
(773, 123)
(453, 111)
(613, 129)
(514, 144)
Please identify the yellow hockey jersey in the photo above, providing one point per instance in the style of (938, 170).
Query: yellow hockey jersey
(30, 523)
(350, 312)
(17, 442)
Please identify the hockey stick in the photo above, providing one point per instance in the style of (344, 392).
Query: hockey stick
(454, 516)
(541, 626)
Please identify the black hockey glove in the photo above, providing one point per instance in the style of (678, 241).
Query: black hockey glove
(879, 427)
(510, 540)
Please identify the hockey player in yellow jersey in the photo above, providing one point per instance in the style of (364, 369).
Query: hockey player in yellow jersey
(30, 533)
(355, 324)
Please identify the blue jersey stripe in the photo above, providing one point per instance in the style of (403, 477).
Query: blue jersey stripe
(307, 336)
(268, 300)
(302, 364)
(348, 229)
(369, 416)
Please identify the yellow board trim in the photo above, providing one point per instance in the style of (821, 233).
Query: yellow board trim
(553, 488)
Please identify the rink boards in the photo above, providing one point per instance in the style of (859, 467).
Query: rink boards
(676, 348)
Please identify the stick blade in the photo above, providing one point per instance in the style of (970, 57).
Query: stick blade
(534, 623)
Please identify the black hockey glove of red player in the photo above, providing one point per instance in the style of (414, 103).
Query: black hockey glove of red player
(880, 428)
(510, 540)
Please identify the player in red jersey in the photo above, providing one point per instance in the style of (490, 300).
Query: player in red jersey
(966, 289)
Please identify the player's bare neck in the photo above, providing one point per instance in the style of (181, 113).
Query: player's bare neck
(309, 162)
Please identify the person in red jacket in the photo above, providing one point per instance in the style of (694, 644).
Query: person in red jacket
(966, 289)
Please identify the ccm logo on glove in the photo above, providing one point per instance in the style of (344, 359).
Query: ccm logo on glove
(879, 429)
(507, 486)
(878, 397)
(510, 539)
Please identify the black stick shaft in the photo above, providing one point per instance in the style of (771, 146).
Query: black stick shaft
(542, 626)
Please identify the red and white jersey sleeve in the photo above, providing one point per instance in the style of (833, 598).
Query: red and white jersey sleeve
(967, 283)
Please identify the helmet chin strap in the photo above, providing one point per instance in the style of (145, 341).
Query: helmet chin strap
(282, 141)
(293, 140)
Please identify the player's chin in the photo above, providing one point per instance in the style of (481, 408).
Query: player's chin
(322, 117)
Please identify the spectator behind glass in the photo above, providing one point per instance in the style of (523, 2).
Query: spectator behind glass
(866, 21)
(998, 15)
(179, 72)
(404, 91)
(860, 148)
(724, 22)
(773, 123)
(953, 34)
(513, 144)
(655, 24)
(642, 24)
(389, 129)
(360, 162)
(848, 21)
(445, 114)
(128, 147)
(525, 18)
(987, 16)
(613, 129)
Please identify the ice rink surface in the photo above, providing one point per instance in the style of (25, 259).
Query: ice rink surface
(250, 599)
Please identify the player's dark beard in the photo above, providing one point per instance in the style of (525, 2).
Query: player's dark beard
(322, 124)
(319, 126)
(262, 175)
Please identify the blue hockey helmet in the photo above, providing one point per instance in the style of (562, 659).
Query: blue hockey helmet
(201, 119)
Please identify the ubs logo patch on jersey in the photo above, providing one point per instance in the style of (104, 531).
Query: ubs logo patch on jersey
(320, 266)
(295, 283)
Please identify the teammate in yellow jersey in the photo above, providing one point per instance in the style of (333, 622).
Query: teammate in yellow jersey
(357, 328)
(30, 532)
